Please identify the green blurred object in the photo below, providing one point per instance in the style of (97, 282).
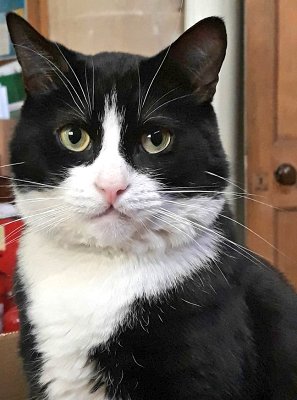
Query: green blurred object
(15, 87)
(15, 114)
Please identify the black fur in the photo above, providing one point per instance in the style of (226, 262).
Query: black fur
(44, 161)
(230, 331)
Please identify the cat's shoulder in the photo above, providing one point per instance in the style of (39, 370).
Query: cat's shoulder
(265, 287)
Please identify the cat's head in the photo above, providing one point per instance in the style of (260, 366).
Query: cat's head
(116, 149)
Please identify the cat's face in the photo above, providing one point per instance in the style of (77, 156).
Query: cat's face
(117, 150)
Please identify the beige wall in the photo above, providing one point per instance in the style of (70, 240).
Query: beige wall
(135, 26)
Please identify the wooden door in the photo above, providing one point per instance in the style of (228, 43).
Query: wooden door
(38, 15)
(271, 130)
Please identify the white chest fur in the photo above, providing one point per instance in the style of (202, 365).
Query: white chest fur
(78, 298)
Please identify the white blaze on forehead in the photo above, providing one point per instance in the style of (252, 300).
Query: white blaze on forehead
(112, 125)
(110, 168)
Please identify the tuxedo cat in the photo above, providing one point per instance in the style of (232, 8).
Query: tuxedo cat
(130, 284)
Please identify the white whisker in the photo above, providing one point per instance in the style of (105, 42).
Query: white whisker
(228, 242)
(73, 74)
(189, 302)
(10, 165)
(200, 190)
(14, 232)
(42, 224)
(235, 195)
(233, 220)
(154, 77)
(31, 183)
(167, 102)
(77, 113)
(160, 98)
(158, 117)
(32, 216)
(185, 233)
(37, 199)
(93, 92)
(225, 179)
(87, 86)
(139, 93)
(59, 73)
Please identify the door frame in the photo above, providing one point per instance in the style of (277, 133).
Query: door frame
(260, 61)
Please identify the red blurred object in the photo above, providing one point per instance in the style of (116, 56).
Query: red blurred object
(12, 230)
(11, 321)
(3, 287)
(6, 297)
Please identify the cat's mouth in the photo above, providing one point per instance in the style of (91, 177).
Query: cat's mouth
(111, 211)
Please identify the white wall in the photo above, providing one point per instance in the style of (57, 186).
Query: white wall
(228, 98)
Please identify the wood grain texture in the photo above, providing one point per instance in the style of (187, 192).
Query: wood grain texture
(38, 15)
(259, 114)
(286, 223)
(287, 67)
(271, 128)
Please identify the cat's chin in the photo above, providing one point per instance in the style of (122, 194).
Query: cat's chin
(110, 228)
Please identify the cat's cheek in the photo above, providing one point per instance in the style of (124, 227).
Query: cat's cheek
(35, 206)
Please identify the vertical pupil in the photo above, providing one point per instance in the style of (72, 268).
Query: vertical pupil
(75, 135)
(157, 138)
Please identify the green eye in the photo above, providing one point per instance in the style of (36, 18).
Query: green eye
(74, 138)
(156, 142)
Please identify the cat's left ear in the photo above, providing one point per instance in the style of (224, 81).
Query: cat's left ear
(200, 52)
(41, 61)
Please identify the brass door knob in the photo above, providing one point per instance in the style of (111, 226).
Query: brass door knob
(286, 174)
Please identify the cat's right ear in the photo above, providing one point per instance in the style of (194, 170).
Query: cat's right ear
(41, 60)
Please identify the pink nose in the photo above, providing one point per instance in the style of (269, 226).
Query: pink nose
(111, 193)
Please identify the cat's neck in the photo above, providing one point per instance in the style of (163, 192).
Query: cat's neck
(158, 270)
